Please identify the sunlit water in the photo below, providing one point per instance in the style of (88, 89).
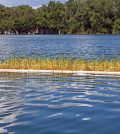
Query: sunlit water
(59, 104)
(74, 46)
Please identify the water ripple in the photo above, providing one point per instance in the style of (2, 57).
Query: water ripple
(76, 46)
(70, 104)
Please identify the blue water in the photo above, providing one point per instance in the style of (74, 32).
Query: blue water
(73, 46)
(59, 104)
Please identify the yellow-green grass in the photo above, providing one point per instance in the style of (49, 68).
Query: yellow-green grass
(61, 64)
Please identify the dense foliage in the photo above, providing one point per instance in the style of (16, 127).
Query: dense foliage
(72, 17)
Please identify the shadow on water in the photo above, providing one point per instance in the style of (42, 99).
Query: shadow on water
(59, 103)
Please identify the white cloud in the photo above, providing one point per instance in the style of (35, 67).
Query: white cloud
(35, 7)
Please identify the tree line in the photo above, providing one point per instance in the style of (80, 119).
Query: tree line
(71, 17)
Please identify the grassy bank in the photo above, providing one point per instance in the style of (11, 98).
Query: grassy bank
(61, 64)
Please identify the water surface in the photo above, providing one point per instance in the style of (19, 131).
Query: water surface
(74, 46)
(59, 104)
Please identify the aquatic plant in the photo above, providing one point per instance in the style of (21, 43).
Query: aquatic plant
(61, 64)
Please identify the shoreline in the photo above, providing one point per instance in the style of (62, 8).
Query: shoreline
(100, 73)
(58, 34)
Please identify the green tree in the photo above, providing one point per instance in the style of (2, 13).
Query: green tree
(116, 27)
(72, 17)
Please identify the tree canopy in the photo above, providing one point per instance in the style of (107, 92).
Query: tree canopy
(72, 17)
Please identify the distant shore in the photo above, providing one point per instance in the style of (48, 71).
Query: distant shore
(65, 34)
(56, 17)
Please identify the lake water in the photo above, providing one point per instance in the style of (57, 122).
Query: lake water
(59, 104)
(73, 46)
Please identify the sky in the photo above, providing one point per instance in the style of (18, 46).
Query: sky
(33, 3)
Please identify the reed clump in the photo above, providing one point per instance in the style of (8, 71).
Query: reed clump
(61, 64)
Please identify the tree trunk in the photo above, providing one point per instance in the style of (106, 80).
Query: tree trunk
(59, 32)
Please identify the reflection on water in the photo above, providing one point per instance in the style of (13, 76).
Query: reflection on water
(74, 46)
(59, 104)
